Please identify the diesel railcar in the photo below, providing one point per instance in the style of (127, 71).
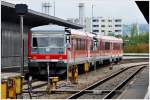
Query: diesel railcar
(61, 47)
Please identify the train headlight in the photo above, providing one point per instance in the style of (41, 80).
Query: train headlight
(47, 57)
(34, 57)
(60, 58)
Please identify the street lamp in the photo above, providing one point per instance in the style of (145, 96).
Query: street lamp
(92, 17)
(21, 10)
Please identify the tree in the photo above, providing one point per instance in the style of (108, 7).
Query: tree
(134, 30)
(110, 34)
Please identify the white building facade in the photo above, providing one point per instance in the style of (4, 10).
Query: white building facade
(101, 25)
(107, 26)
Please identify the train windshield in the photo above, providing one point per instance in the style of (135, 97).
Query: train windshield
(48, 44)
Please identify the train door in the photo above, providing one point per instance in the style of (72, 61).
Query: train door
(68, 47)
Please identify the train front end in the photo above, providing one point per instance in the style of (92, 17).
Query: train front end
(47, 48)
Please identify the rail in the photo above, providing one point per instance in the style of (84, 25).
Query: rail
(112, 93)
(80, 93)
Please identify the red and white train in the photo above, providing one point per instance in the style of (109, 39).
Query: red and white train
(60, 47)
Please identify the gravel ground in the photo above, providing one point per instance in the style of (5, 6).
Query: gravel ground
(82, 82)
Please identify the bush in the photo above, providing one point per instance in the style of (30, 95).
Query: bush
(139, 48)
(137, 44)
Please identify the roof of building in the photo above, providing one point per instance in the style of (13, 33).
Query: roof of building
(33, 18)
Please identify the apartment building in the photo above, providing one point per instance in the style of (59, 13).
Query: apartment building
(107, 26)
(101, 25)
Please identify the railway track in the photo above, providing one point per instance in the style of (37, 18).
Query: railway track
(29, 87)
(38, 85)
(109, 86)
(17, 69)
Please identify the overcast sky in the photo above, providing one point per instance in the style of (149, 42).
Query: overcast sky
(125, 9)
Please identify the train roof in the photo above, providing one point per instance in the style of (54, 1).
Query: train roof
(112, 38)
(82, 33)
(56, 28)
(48, 28)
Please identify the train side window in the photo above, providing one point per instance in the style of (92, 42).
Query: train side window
(76, 43)
(107, 45)
(80, 43)
(91, 45)
(81, 47)
(120, 46)
(86, 47)
(83, 44)
(72, 46)
(34, 42)
(116, 46)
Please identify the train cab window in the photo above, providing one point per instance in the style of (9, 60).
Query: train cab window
(40, 41)
(48, 44)
(107, 45)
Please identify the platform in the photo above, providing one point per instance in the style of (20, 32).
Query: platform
(138, 87)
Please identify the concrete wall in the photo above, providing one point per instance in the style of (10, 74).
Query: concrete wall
(11, 44)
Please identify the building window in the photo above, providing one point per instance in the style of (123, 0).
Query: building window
(95, 30)
(109, 25)
(103, 20)
(95, 20)
(109, 31)
(109, 20)
(102, 30)
(117, 25)
(117, 30)
(95, 25)
(102, 25)
(118, 20)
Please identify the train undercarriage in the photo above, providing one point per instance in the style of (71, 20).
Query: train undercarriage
(39, 69)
